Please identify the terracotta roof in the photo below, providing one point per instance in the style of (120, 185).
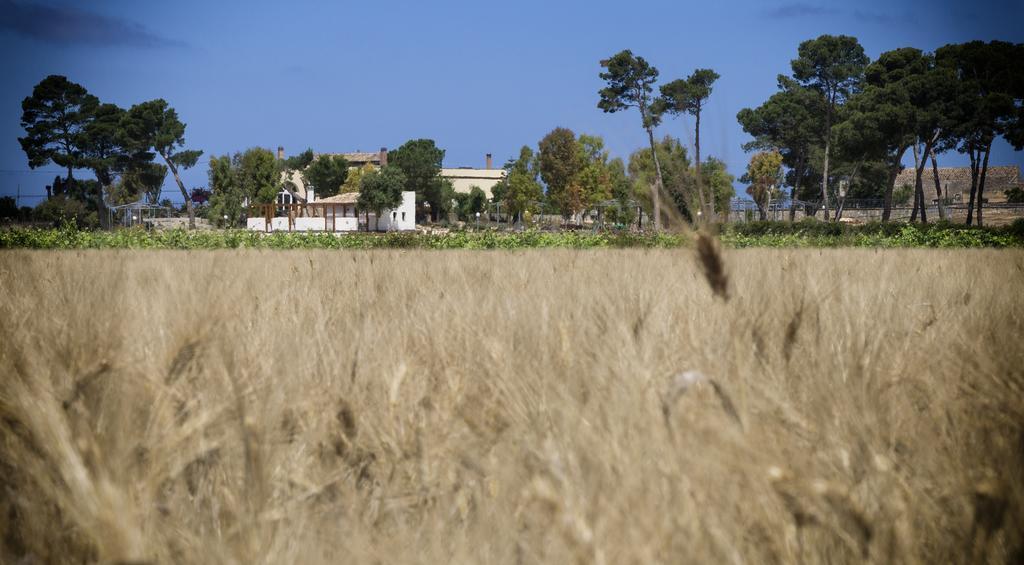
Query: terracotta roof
(343, 198)
(357, 157)
(996, 177)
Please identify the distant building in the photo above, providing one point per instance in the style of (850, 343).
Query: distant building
(300, 193)
(956, 182)
(463, 179)
(333, 214)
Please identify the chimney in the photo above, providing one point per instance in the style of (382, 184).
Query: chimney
(383, 156)
(488, 161)
(280, 153)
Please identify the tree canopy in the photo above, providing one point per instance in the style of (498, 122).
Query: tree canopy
(381, 190)
(420, 162)
(326, 175)
(55, 117)
(629, 81)
(154, 125)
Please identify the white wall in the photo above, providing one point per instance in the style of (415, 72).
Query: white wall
(402, 218)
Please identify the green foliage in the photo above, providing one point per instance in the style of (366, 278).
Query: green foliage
(687, 96)
(298, 162)
(355, 177)
(1015, 195)
(226, 194)
(257, 175)
(69, 237)
(54, 118)
(764, 173)
(420, 162)
(155, 125)
(718, 183)
(326, 175)
(675, 171)
(8, 207)
(471, 203)
(65, 208)
(629, 81)
(519, 189)
(755, 234)
(381, 190)
(559, 162)
(831, 64)
(811, 233)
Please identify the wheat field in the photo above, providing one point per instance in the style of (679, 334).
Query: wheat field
(840, 406)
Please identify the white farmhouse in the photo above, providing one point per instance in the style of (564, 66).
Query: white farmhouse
(333, 214)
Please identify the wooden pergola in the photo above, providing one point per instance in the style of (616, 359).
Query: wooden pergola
(302, 210)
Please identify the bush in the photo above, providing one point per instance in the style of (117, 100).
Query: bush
(754, 234)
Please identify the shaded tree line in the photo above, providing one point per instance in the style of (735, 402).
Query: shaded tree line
(71, 128)
(843, 124)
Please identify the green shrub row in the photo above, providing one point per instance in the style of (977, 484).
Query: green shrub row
(71, 238)
(876, 234)
(757, 234)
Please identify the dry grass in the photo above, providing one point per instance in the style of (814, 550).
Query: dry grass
(843, 406)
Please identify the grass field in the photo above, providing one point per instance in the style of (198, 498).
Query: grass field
(547, 406)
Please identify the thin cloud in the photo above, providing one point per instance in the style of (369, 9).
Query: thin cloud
(799, 10)
(878, 18)
(70, 26)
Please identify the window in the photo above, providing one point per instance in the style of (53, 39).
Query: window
(403, 216)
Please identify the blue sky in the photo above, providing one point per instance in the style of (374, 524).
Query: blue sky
(478, 77)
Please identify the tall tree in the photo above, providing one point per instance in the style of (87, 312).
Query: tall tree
(257, 175)
(833, 66)
(54, 118)
(987, 105)
(519, 190)
(882, 119)
(226, 198)
(596, 178)
(791, 121)
(155, 125)
(764, 172)
(630, 81)
(674, 163)
(719, 183)
(687, 96)
(117, 162)
(381, 190)
(560, 162)
(326, 174)
(420, 162)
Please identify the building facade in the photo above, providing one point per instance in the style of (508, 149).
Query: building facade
(463, 179)
(956, 182)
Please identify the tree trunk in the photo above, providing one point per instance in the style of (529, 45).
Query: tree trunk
(824, 174)
(656, 193)
(895, 167)
(981, 182)
(101, 210)
(184, 193)
(796, 185)
(975, 165)
(920, 161)
(704, 204)
(938, 186)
